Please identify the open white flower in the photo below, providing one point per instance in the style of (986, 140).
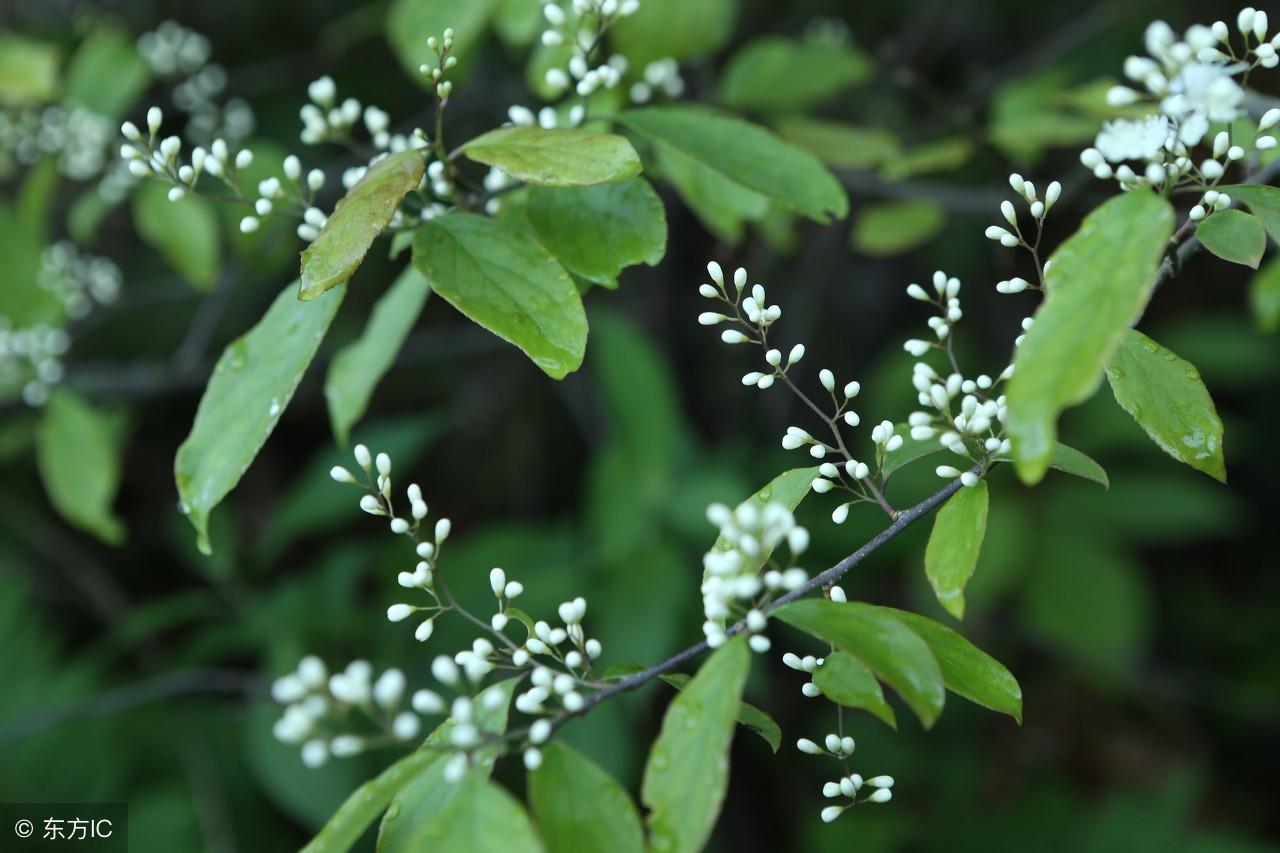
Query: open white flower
(1126, 139)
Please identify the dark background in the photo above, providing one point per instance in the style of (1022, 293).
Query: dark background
(1140, 621)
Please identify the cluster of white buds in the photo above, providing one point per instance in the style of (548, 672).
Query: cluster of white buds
(78, 138)
(78, 279)
(181, 56)
(1016, 238)
(750, 318)
(294, 196)
(741, 573)
(173, 50)
(445, 61)
(324, 119)
(660, 76)
(345, 713)
(583, 25)
(1189, 83)
(31, 360)
(148, 155)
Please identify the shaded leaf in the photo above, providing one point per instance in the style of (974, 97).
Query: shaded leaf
(674, 28)
(1264, 297)
(954, 544)
(911, 450)
(1072, 461)
(1098, 286)
(580, 808)
(843, 146)
(28, 70)
(1168, 399)
(596, 232)
(480, 818)
(687, 773)
(897, 226)
(1235, 236)
(1262, 201)
(749, 716)
(843, 679)
(502, 279)
(106, 74)
(360, 216)
(184, 231)
(556, 157)
(411, 22)
(778, 74)
(358, 812)
(356, 369)
(722, 206)
(251, 385)
(78, 453)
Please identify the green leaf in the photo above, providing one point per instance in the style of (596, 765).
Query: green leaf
(411, 22)
(356, 222)
(1167, 398)
(1263, 201)
(884, 644)
(1072, 461)
(598, 231)
(940, 155)
(897, 226)
(745, 154)
(22, 299)
(952, 552)
(674, 28)
(843, 679)
(503, 280)
(78, 453)
(788, 489)
(556, 157)
(28, 70)
(418, 809)
(251, 385)
(481, 818)
(722, 206)
(184, 231)
(580, 808)
(358, 812)
(1097, 287)
(1235, 236)
(106, 74)
(687, 773)
(911, 450)
(774, 74)
(749, 716)
(842, 146)
(357, 367)
(966, 670)
(1264, 297)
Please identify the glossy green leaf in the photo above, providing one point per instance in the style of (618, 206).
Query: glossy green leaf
(843, 679)
(1072, 461)
(1097, 287)
(411, 22)
(580, 808)
(687, 774)
(556, 157)
(359, 811)
(1235, 236)
(356, 222)
(106, 74)
(502, 279)
(480, 818)
(1262, 201)
(357, 368)
(881, 642)
(966, 670)
(184, 231)
(28, 70)
(251, 385)
(896, 226)
(952, 552)
(788, 489)
(722, 206)
(412, 821)
(749, 716)
(1264, 297)
(674, 28)
(842, 146)
(1167, 398)
(78, 454)
(775, 74)
(596, 232)
(745, 154)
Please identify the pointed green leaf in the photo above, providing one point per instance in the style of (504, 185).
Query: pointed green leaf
(843, 679)
(1168, 399)
(251, 385)
(360, 216)
(966, 669)
(881, 642)
(358, 812)
(1072, 461)
(78, 453)
(774, 74)
(1235, 236)
(1097, 287)
(1264, 297)
(1263, 201)
(502, 279)
(556, 157)
(722, 206)
(580, 808)
(744, 153)
(184, 231)
(598, 231)
(952, 552)
(480, 818)
(357, 368)
(749, 716)
(687, 773)
(106, 74)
